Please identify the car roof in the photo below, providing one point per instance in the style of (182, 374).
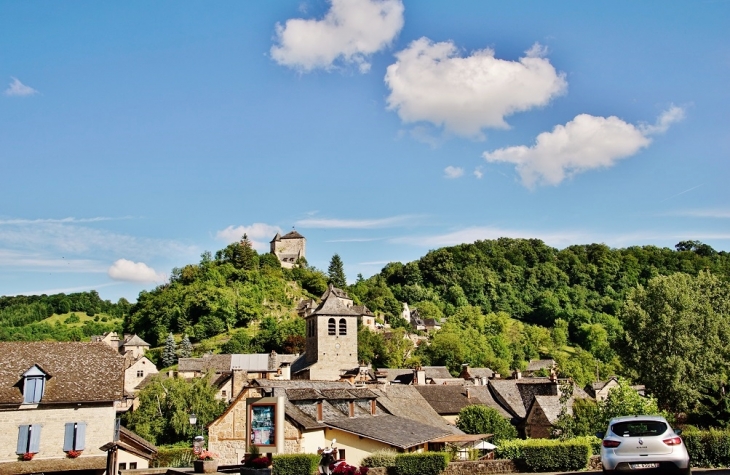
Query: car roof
(637, 417)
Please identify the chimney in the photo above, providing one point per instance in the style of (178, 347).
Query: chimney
(319, 411)
(516, 374)
(468, 393)
(285, 371)
(352, 408)
(419, 376)
(239, 378)
(373, 406)
(464, 371)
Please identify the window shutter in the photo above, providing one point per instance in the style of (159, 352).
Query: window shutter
(38, 393)
(22, 439)
(35, 438)
(80, 436)
(68, 438)
(29, 393)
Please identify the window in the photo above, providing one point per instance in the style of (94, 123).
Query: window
(122, 466)
(132, 465)
(35, 381)
(74, 436)
(29, 439)
(343, 326)
(342, 454)
(331, 327)
(223, 393)
(140, 373)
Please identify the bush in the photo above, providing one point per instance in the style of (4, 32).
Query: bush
(174, 457)
(381, 458)
(427, 463)
(593, 441)
(476, 419)
(708, 448)
(295, 464)
(556, 456)
(510, 449)
(73, 318)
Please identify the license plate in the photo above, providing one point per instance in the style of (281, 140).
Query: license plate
(639, 466)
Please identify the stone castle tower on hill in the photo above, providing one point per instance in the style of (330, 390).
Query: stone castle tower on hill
(288, 248)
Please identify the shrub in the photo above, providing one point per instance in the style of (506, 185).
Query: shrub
(381, 458)
(476, 419)
(174, 457)
(708, 448)
(593, 441)
(73, 318)
(556, 456)
(295, 464)
(510, 449)
(427, 463)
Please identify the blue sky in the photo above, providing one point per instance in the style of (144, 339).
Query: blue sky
(136, 135)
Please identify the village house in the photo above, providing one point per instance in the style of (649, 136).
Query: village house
(299, 416)
(57, 406)
(129, 451)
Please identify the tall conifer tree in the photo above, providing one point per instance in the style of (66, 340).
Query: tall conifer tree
(169, 357)
(336, 272)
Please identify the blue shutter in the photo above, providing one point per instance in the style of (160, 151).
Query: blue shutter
(22, 439)
(29, 390)
(80, 436)
(35, 438)
(38, 394)
(68, 437)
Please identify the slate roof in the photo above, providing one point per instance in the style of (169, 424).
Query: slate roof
(449, 399)
(134, 340)
(508, 395)
(254, 362)
(437, 372)
(276, 359)
(276, 238)
(484, 394)
(303, 394)
(393, 430)
(334, 307)
(332, 290)
(550, 405)
(126, 435)
(537, 365)
(480, 373)
(217, 363)
(406, 401)
(400, 376)
(300, 418)
(77, 372)
(362, 310)
(291, 235)
(147, 380)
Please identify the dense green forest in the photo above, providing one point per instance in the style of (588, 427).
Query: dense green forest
(501, 302)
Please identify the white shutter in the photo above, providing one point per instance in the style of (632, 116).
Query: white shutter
(22, 439)
(68, 437)
(80, 436)
(35, 438)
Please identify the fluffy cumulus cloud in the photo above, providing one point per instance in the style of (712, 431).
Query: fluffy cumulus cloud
(258, 233)
(431, 82)
(453, 172)
(584, 143)
(130, 271)
(351, 31)
(17, 88)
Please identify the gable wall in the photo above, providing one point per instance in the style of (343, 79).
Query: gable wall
(227, 436)
(131, 380)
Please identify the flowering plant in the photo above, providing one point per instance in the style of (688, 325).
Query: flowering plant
(207, 455)
(259, 462)
(346, 469)
(28, 456)
(73, 453)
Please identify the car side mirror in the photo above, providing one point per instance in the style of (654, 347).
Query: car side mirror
(600, 435)
(678, 431)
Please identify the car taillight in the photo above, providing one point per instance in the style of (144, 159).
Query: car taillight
(673, 441)
(611, 443)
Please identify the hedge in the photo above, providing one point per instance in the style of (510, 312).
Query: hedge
(380, 458)
(426, 463)
(174, 457)
(708, 448)
(295, 464)
(548, 455)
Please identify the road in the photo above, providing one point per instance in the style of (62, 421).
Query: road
(703, 471)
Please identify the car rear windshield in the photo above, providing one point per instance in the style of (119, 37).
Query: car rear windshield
(639, 428)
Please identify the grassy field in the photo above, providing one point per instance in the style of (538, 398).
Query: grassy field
(82, 318)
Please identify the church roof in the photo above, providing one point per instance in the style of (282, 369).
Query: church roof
(276, 238)
(333, 304)
(332, 290)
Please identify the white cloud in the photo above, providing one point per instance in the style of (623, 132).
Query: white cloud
(351, 31)
(670, 116)
(129, 271)
(584, 143)
(18, 89)
(431, 82)
(478, 172)
(453, 172)
(258, 233)
(354, 223)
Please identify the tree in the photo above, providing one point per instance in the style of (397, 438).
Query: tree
(166, 403)
(678, 337)
(477, 419)
(186, 348)
(336, 272)
(240, 343)
(169, 357)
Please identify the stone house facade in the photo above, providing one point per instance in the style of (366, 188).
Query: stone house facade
(56, 397)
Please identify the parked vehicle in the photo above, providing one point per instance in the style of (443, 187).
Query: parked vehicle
(643, 443)
(328, 458)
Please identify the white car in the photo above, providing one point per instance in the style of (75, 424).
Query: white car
(636, 443)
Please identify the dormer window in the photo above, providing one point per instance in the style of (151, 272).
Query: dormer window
(34, 385)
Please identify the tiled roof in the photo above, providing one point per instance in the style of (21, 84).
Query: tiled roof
(508, 395)
(362, 310)
(126, 435)
(551, 407)
(334, 306)
(97, 463)
(276, 238)
(332, 290)
(396, 431)
(303, 394)
(433, 372)
(337, 394)
(77, 372)
(300, 418)
(134, 340)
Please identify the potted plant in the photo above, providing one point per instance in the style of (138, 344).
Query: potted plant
(206, 462)
(72, 454)
(255, 464)
(27, 456)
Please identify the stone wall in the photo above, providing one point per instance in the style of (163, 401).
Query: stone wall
(227, 435)
(481, 466)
